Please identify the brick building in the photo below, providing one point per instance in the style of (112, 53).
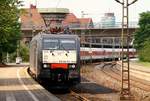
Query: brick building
(73, 22)
(34, 20)
(31, 23)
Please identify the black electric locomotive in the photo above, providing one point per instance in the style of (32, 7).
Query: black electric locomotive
(55, 58)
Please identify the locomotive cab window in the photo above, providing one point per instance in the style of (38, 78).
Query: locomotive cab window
(50, 43)
(67, 44)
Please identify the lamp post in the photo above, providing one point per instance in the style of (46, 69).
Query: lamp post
(125, 41)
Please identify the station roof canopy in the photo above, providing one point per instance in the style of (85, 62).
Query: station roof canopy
(53, 10)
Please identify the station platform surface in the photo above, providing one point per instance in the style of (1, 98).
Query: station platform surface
(17, 85)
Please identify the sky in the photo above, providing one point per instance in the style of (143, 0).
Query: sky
(94, 8)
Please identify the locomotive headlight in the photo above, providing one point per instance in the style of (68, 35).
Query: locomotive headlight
(45, 65)
(72, 66)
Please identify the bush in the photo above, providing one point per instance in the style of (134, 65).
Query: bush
(23, 52)
(144, 53)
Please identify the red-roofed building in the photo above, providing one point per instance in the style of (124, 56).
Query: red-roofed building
(71, 18)
(73, 22)
(31, 18)
(31, 21)
(86, 22)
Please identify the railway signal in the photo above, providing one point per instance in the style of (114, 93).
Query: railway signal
(125, 41)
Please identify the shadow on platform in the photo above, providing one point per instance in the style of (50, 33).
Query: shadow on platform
(92, 88)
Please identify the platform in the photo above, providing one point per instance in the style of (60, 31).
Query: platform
(17, 85)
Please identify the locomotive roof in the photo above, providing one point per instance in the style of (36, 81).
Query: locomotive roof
(59, 35)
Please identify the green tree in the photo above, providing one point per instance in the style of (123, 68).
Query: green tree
(9, 27)
(144, 31)
(142, 36)
(144, 54)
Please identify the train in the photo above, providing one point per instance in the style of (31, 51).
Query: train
(102, 54)
(55, 58)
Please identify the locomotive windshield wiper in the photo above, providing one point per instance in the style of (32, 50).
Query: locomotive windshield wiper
(65, 49)
(51, 51)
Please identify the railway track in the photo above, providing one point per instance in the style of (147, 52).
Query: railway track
(135, 82)
(78, 96)
(65, 95)
(136, 75)
(115, 73)
(135, 69)
(139, 87)
(78, 93)
(82, 92)
(112, 72)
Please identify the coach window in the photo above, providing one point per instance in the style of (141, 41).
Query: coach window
(67, 44)
(50, 44)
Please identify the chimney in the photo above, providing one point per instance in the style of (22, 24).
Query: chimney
(32, 6)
